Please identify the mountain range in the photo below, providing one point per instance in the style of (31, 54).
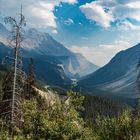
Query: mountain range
(55, 64)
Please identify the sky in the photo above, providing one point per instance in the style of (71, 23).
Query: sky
(98, 29)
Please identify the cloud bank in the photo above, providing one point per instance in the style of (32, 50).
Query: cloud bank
(101, 55)
(108, 12)
(39, 13)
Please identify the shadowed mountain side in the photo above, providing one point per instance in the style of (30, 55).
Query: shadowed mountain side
(117, 78)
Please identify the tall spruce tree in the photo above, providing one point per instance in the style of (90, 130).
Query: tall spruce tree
(31, 80)
(137, 110)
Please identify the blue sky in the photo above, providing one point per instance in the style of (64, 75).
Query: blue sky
(96, 28)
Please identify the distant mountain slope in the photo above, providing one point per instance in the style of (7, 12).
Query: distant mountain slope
(42, 44)
(118, 77)
(46, 69)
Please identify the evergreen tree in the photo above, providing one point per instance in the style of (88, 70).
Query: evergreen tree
(137, 108)
(31, 80)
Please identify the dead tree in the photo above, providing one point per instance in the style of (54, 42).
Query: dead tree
(12, 87)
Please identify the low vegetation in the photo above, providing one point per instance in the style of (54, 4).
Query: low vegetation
(62, 121)
(73, 117)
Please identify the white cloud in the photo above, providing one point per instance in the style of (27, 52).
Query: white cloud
(103, 12)
(125, 1)
(42, 15)
(133, 4)
(39, 13)
(69, 1)
(95, 12)
(124, 11)
(125, 25)
(69, 21)
(54, 31)
(101, 54)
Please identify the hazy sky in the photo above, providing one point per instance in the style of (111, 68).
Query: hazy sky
(96, 28)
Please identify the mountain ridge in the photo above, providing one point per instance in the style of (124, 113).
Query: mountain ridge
(117, 78)
(41, 43)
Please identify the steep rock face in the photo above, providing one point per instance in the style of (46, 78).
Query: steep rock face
(76, 65)
(118, 77)
(43, 43)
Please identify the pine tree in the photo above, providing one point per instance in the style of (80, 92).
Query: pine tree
(31, 80)
(137, 110)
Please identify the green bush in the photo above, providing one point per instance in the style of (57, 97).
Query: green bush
(124, 127)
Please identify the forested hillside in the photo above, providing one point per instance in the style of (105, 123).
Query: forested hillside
(72, 117)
